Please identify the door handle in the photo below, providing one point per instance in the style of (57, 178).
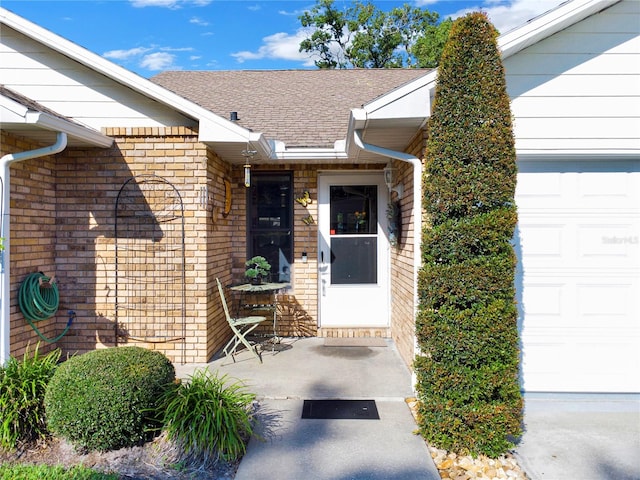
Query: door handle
(321, 257)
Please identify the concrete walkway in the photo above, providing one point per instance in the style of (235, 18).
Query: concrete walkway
(295, 448)
(592, 437)
(587, 437)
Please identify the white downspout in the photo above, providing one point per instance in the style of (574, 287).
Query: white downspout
(5, 263)
(417, 212)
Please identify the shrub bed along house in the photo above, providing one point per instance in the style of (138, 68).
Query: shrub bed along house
(468, 388)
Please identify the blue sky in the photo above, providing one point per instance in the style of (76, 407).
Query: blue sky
(149, 36)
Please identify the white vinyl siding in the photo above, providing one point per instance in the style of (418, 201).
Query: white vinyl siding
(74, 90)
(578, 91)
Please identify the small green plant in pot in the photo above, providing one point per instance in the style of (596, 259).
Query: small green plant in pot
(257, 269)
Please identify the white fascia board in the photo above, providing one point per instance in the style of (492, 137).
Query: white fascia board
(549, 23)
(212, 130)
(12, 112)
(72, 130)
(281, 152)
(215, 125)
(315, 154)
(603, 156)
(411, 100)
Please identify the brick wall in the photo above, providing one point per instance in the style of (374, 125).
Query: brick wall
(33, 203)
(74, 240)
(222, 231)
(88, 182)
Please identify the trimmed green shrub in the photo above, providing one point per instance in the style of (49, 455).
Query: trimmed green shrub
(471, 146)
(466, 326)
(57, 472)
(208, 418)
(108, 399)
(22, 389)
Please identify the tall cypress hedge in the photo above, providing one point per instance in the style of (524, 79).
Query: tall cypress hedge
(467, 371)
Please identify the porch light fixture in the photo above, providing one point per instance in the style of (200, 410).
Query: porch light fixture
(248, 155)
(390, 173)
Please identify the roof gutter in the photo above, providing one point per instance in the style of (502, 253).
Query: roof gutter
(5, 263)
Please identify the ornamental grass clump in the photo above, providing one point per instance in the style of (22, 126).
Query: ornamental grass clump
(208, 419)
(22, 389)
(108, 399)
(466, 326)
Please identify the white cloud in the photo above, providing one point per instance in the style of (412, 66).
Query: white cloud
(507, 15)
(292, 13)
(279, 46)
(155, 3)
(151, 58)
(157, 61)
(168, 3)
(198, 21)
(125, 54)
(176, 49)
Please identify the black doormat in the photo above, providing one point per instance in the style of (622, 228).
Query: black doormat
(340, 409)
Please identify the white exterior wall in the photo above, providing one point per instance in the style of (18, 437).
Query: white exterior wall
(576, 104)
(73, 90)
(578, 91)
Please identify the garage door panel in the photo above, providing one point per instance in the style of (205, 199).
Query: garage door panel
(542, 301)
(604, 301)
(581, 186)
(579, 241)
(542, 241)
(599, 240)
(587, 363)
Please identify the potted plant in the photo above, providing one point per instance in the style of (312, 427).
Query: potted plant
(258, 268)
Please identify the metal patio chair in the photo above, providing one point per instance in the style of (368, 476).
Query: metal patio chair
(241, 327)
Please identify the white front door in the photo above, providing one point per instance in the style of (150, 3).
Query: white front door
(353, 251)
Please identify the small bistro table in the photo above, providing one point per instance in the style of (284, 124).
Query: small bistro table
(269, 288)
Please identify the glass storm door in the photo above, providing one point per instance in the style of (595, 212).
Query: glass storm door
(353, 250)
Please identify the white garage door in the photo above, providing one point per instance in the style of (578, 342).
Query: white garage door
(579, 281)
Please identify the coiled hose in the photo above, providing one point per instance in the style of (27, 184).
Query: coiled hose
(38, 299)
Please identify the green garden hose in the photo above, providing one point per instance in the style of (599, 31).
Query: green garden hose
(38, 299)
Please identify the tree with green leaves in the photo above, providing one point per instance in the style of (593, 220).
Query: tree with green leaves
(468, 368)
(362, 36)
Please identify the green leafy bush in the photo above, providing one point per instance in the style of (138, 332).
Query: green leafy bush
(57, 472)
(208, 418)
(22, 389)
(108, 399)
(466, 326)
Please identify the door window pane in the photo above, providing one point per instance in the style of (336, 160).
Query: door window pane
(354, 260)
(353, 209)
(270, 212)
(353, 233)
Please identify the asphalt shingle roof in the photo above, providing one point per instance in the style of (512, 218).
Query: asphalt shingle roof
(303, 108)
